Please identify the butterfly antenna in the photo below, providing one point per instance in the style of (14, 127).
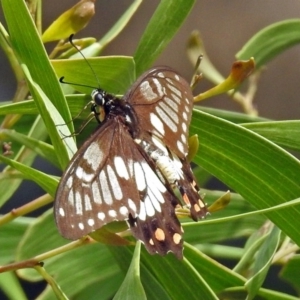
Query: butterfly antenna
(79, 51)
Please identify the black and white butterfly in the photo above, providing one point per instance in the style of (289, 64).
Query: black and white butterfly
(129, 167)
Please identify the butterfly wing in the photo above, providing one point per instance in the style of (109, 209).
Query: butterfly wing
(163, 102)
(110, 178)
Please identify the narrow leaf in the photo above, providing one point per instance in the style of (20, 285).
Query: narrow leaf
(41, 148)
(131, 287)
(263, 173)
(26, 42)
(263, 262)
(283, 133)
(162, 27)
(271, 41)
(48, 183)
(52, 118)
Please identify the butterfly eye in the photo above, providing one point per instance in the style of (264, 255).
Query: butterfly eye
(99, 97)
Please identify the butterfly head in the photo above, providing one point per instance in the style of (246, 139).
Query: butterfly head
(99, 97)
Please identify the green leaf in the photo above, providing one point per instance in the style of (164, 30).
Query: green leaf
(263, 262)
(271, 41)
(75, 271)
(217, 227)
(231, 116)
(27, 44)
(113, 73)
(155, 272)
(291, 272)
(263, 294)
(24, 107)
(10, 235)
(181, 270)
(153, 288)
(218, 277)
(51, 119)
(10, 285)
(261, 172)
(47, 182)
(24, 156)
(131, 287)
(43, 149)
(165, 22)
(283, 133)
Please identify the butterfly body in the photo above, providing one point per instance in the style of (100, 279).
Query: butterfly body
(129, 167)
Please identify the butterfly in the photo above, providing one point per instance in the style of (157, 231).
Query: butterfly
(130, 167)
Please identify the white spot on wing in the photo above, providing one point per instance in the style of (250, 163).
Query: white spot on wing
(131, 205)
(142, 212)
(123, 210)
(96, 192)
(169, 111)
(171, 103)
(79, 172)
(147, 91)
(71, 198)
(87, 202)
(107, 197)
(82, 175)
(176, 98)
(158, 143)
(183, 138)
(91, 222)
(152, 179)
(61, 212)
(155, 201)
(185, 116)
(158, 87)
(114, 183)
(121, 168)
(157, 123)
(81, 226)
(69, 182)
(112, 213)
(139, 177)
(78, 203)
(93, 155)
(149, 207)
(174, 90)
(184, 128)
(101, 216)
(180, 147)
(130, 167)
(166, 119)
(177, 77)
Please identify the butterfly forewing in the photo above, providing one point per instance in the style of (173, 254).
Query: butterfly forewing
(110, 179)
(97, 186)
(163, 102)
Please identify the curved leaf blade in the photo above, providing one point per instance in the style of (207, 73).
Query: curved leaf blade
(261, 172)
(164, 24)
(271, 41)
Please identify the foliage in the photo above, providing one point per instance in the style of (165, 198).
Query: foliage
(246, 152)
